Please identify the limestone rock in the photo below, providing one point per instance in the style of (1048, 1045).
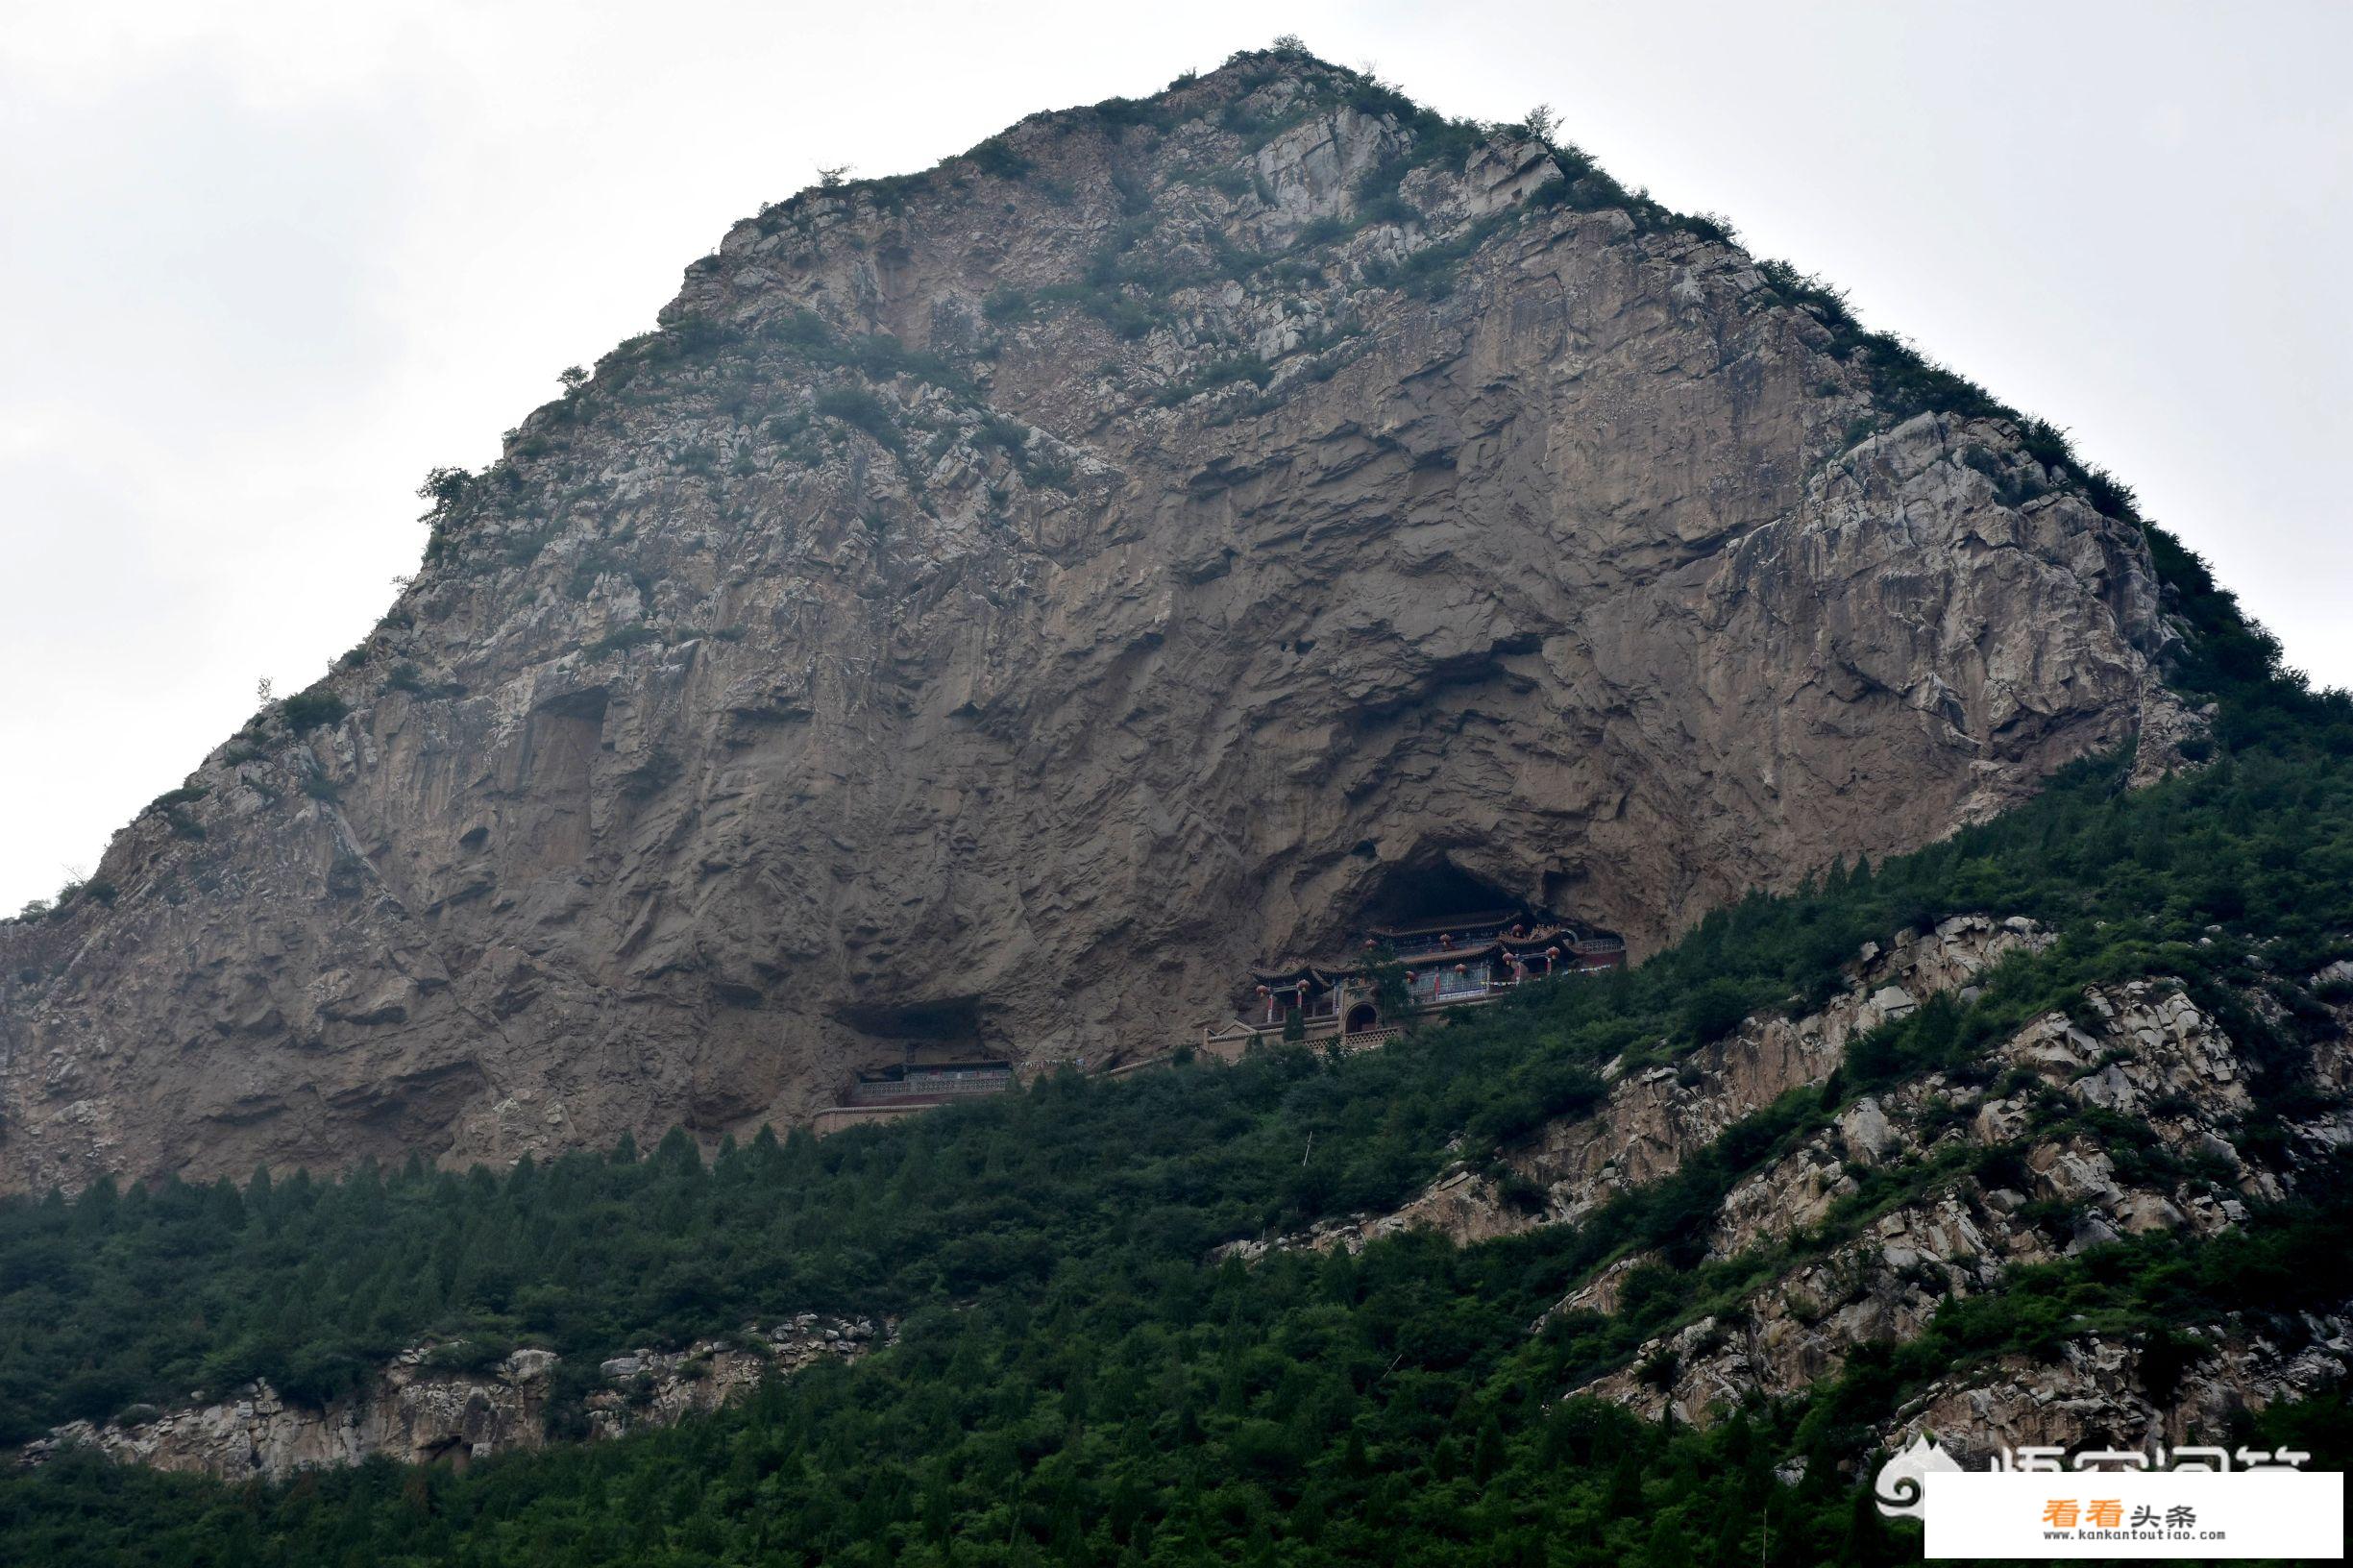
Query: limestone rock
(924, 633)
(2156, 1052)
(415, 1412)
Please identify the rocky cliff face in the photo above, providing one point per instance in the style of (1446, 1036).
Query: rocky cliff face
(418, 1411)
(2149, 1054)
(1004, 602)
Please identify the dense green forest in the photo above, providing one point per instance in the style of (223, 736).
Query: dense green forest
(1077, 1380)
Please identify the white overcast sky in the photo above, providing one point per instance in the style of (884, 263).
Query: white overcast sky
(261, 264)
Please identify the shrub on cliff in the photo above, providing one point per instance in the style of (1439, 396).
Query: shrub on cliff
(311, 709)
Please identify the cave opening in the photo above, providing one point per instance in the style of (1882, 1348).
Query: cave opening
(941, 1021)
(939, 1035)
(1422, 890)
(450, 1451)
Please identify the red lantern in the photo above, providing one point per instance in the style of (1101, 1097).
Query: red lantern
(1463, 968)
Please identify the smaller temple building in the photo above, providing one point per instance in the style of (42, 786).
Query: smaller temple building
(928, 1083)
(917, 1083)
(1448, 960)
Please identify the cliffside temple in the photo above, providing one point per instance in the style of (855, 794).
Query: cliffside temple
(915, 1085)
(1448, 960)
(1445, 961)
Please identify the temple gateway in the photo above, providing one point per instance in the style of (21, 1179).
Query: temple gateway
(1451, 961)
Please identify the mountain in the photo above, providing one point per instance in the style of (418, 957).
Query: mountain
(1003, 602)
(1655, 1266)
(2039, 1132)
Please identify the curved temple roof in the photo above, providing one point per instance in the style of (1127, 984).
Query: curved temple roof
(1568, 938)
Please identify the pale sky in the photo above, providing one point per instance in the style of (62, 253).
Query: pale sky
(265, 263)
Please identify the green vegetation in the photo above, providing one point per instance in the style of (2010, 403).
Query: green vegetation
(313, 709)
(994, 159)
(860, 408)
(1222, 373)
(1134, 1403)
(447, 488)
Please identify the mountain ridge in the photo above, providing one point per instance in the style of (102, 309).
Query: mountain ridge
(2037, 1132)
(1238, 505)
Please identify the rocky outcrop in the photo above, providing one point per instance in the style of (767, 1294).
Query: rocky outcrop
(1657, 1116)
(1999, 1173)
(2100, 1391)
(1004, 602)
(417, 1410)
(1651, 1124)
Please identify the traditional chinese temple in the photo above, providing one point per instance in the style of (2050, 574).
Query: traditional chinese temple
(928, 1083)
(1447, 961)
(916, 1082)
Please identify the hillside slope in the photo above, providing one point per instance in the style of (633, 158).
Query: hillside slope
(1004, 602)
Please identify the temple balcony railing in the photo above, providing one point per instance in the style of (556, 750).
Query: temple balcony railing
(1423, 950)
(1323, 1007)
(1321, 1022)
(927, 1086)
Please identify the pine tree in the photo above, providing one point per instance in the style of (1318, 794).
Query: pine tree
(1488, 1459)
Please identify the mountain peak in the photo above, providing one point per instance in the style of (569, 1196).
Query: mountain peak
(1004, 602)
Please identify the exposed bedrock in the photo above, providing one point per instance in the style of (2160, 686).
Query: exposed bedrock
(790, 693)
